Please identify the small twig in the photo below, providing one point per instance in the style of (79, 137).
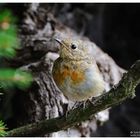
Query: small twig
(125, 89)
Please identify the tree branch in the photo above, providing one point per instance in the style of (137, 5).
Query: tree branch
(125, 89)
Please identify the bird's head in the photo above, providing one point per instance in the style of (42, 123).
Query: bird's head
(73, 49)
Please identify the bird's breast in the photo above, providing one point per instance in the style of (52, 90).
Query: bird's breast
(71, 75)
(78, 83)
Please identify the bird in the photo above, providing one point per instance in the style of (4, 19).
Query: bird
(75, 71)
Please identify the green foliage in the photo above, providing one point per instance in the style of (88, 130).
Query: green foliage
(9, 42)
(11, 77)
(8, 35)
(2, 129)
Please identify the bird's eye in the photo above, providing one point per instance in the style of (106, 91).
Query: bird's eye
(73, 46)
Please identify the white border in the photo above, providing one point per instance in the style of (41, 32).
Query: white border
(62, 138)
(69, 1)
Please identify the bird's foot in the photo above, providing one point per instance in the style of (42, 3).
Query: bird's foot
(78, 104)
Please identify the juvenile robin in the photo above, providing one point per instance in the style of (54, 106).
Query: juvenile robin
(75, 72)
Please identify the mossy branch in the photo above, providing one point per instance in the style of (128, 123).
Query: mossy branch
(125, 89)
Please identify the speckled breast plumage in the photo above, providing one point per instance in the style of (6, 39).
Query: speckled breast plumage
(77, 80)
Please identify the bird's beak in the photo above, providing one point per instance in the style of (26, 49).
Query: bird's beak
(58, 40)
(62, 44)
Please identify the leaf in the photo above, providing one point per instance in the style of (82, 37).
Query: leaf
(2, 129)
(11, 77)
(8, 35)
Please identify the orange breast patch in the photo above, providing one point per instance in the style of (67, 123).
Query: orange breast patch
(76, 76)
